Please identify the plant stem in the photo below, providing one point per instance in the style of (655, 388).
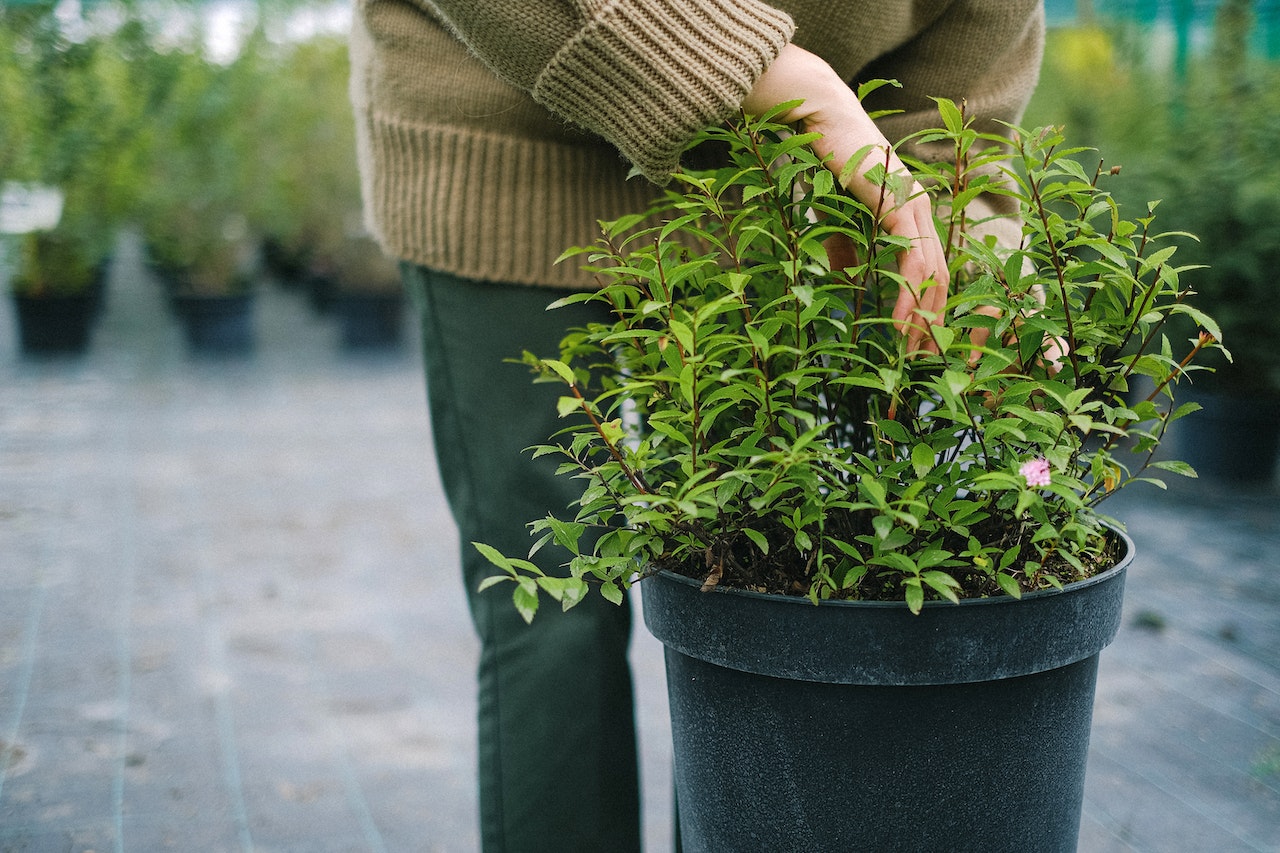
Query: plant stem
(637, 480)
(1055, 257)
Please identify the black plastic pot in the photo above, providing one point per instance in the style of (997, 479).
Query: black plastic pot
(217, 325)
(1232, 438)
(856, 726)
(55, 325)
(369, 320)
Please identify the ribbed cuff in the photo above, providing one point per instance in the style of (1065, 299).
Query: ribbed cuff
(490, 206)
(647, 75)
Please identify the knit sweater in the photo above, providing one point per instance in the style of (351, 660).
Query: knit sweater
(494, 134)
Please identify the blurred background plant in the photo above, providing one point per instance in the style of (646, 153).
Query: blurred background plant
(69, 109)
(221, 129)
(1185, 97)
(214, 130)
(201, 175)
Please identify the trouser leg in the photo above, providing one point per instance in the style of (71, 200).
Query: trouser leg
(558, 767)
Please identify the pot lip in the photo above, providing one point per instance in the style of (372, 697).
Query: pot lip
(1121, 565)
(882, 642)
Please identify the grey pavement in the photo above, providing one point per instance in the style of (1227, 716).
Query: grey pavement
(231, 618)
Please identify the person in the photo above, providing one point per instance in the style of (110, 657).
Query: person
(493, 135)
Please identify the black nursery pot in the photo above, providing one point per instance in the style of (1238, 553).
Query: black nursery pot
(55, 325)
(1234, 438)
(369, 321)
(61, 323)
(217, 326)
(857, 726)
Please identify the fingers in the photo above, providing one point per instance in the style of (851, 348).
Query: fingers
(922, 298)
(852, 144)
(917, 310)
(1053, 350)
(1053, 354)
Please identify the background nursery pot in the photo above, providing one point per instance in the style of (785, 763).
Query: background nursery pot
(859, 726)
(1235, 438)
(58, 324)
(217, 324)
(71, 110)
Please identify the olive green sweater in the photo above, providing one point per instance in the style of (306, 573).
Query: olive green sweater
(493, 134)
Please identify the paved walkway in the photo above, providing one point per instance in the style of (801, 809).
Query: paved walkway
(230, 617)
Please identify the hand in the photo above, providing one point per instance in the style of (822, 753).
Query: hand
(831, 108)
(1053, 350)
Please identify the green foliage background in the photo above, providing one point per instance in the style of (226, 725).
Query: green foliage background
(1197, 131)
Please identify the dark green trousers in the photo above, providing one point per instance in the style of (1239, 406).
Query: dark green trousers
(558, 767)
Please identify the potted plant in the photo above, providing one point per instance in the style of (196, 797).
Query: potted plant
(366, 297)
(57, 290)
(198, 188)
(71, 110)
(306, 143)
(308, 204)
(881, 577)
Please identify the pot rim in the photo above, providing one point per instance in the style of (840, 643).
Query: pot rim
(883, 642)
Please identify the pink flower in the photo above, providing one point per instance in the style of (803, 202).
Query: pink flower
(1036, 472)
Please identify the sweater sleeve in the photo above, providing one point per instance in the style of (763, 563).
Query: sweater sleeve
(646, 75)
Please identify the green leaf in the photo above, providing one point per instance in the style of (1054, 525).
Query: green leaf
(1008, 585)
(1175, 467)
(493, 555)
(684, 335)
(915, 595)
(492, 581)
(894, 430)
(865, 89)
(566, 406)
(757, 538)
(552, 586)
(943, 584)
(525, 598)
(922, 459)
(956, 381)
(612, 592)
(560, 369)
(575, 590)
(951, 116)
(944, 336)
(567, 533)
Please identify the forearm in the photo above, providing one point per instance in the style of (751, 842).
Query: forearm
(646, 75)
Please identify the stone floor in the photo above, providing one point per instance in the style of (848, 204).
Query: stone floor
(230, 617)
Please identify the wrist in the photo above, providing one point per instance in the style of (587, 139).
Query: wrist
(797, 74)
